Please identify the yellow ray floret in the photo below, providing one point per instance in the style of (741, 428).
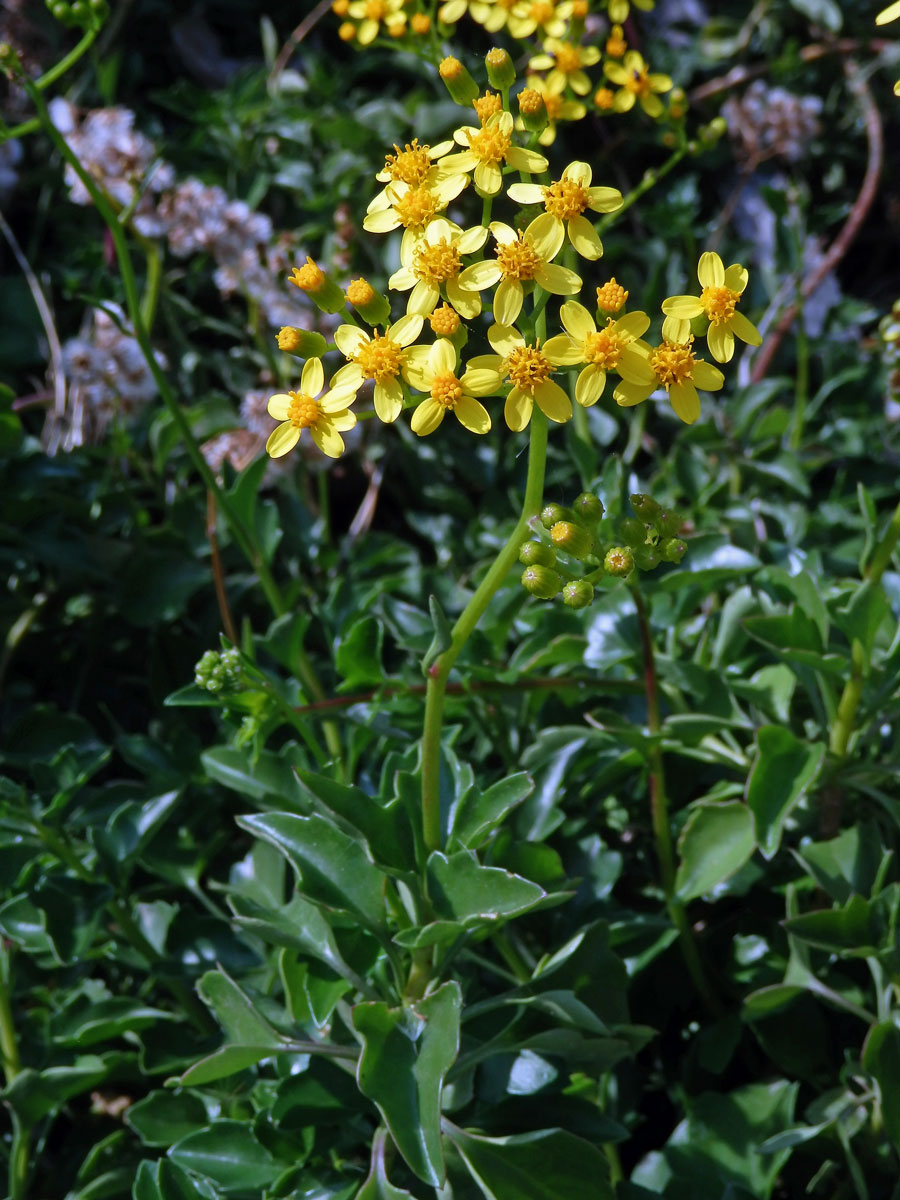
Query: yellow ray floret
(676, 369)
(379, 357)
(489, 149)
(636, 83)
(718, 300)
(566, 201)
(433, 370)
(566, 62)
(611, 348)
(325, 416)
(434, 262)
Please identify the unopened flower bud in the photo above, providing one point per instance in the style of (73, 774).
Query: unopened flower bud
(588, 507)
(420, 23)
(444, 321)
(485, 106)
(371, 305)
(672, 550)
(646, 558)
(346, 31)
(500, 69)
(533, 110)
(324, 292)
(604, 98)
(572, 538)
(615, 43)
(632, 532)
(645, 506)
(541, 582)
(551, 513)
(668, 523)
(619, 561)
(578, 594)
(340, 8)
(611, 296)
(460, 84)
(537, 554)
(677, 103)
(304, 343)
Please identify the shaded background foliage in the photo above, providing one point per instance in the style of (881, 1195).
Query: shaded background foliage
(130, 889)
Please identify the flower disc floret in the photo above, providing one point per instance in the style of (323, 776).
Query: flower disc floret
(721, 292)
(411, 164)
(325, 415)
(611, 296)
(566, 200)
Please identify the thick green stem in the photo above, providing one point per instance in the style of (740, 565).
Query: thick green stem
(65, 64)
(659, 814)
(19, 1151)
(462, 630)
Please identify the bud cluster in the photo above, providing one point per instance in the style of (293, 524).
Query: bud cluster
(79, 14)
(584, 534)
(219, 671)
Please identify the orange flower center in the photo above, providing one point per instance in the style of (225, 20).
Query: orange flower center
(566, 199)
(719, 303)
(528, 367)
(604, 98)
(611, 296)
(411, 164)
(376, 10)
(437, 263)
(673, 363)
(444, 321)
(416, 207)
(488, 104)
(638, 82)
(309, 277)
(446, 389)
(568, 58)
(303, 411)
(604, 348)
(615, 43)
(518, 260)
(379, 359)
(490, 145)
(542, 11)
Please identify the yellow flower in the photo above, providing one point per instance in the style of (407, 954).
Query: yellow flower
(452, 11)
(636, 83)
(619, 9)
(522, 256)
(492, 14)
(718, 300)
(412, 165)
(558, 108)
(677, 370)
(435, 261)
(380, 357)
(436, 373)
(550, 16)
(566, 200)
(412, 207)
(485, 106)
(488, 148)
(370, 13)
(615, 43)
(326, 417)
(529, 369)
(566, 62)
(609, 349)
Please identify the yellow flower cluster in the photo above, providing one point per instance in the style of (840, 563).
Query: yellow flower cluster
(455, 279)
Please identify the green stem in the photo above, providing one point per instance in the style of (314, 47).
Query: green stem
(19, 1153)
(57, 71)
(659, 813)
(150, 299)
(650, 180)
(462, 630)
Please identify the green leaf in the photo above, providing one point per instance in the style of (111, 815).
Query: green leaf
(716, 841)
(460, 889)
(257, 776)
(385, 828)
(864, 615)
(713, 559)
(227, 1153)
(859, 929)
(443, 634)
(358, 656)
(243, 1023)
(161, 1118)
(229, 1060)
(334, 869)
(477, 814)
(784, 771)
(86, 1022)
(881, 1058)
(847, 863)
(548, 1164)
(406, 1055)
(299, 925)
(377, 1185)
(34, 1094)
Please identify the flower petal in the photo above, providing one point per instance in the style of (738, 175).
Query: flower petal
(564, 351)
(604, 199)
(635, 368)
(474, 416)
(676, 329)
(427, 417)
(481, 275)
(388, 400)
(633, 324)
(706, 376)
(547, 234)
(720, 340)
(517, 409)
(710, 270)
(577, 320)
(628, 394)
(470, 240)
(423, 299)
(558, 280)
(312, 377)
(585, 239)
(407, 329)
(349, 338)
(685, 401)
(682, 308)
(442, 357)
(382, 221)
(349, 376)
(553, 401)
(580, 172)
(736, 277)
(481, 381)
(504, 234)
(745, 329)
(467, 303)
(528, 161)
(278, 406)
(327, 439)
(488, 178)
(508, 300)
(504, 339)
(589, 386)
(526, 193)
(282, 439)
(337, 400)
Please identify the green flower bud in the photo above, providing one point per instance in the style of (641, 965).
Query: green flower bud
(578, 594)
(371, 305)
(304, 343)
(532, 110)
(632, 531)
(500, 70)
(672, 550)
(322, 290)
(572, 538)
(645, 506)
(551, 513)
(537, 554)
(541, 582)
(646, 558)
(460, 84)
(619, 561)
(668, 523)
(588, 507)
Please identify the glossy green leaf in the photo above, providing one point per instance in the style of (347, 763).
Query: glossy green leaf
(716, 841)
(461, 889)
(477, 814)
(90, 1021)
(784, 771)
(377, 1185)
(881, 1058)
(334, 869)
(34, 1094)
(549, 1164)
(243, 1023)
(258, 776)
(163, 1117)
(847, 863)
(358, 656)
(227, 1153)
(385, 828)
(406, 1056)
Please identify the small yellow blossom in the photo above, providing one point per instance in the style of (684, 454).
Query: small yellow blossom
(308, 278)
(566, 200)
(444, 321)
(436, 374)
(488, 148)
(346, 31)
(619, 9)
(528, 369)
(566, 62)
(413, 164)
(676, 369)
(435, 261)
(604, 99)
(326, 417)
(380, 357)
(412, 207)
(485, 106)
(615, 43)
(370, 14)
(611, 296)
(420, 23)
(340, 8)
(609, 349)
(522, 257)
(452, 11)
(558, 107)
(718, 300)
(550, 17)
(636, 83)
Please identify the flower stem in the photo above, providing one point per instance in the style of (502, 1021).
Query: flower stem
(651, 179)
(19, 1152)
(468, 619)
